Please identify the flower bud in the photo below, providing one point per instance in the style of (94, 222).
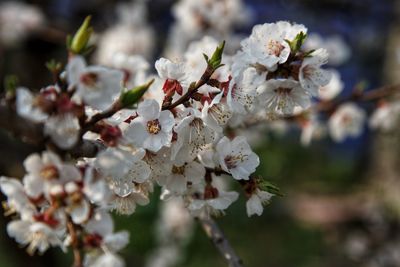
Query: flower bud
(132, 96)
(81, 38)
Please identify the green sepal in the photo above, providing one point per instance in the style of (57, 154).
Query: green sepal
(130, 97)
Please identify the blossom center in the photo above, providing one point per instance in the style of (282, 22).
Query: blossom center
(178, 170)
(283, 91)
(89, 79)
(274, 48)
(154, 126)
(49, 172)
(232, 161)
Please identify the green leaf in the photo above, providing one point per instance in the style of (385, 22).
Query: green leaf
(81, 38)
(269, 187)
(132, 96)
(215, 61)
(297, 42)
(54, 66)
(11, 82)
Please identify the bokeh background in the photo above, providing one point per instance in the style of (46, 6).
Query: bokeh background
(341, 203)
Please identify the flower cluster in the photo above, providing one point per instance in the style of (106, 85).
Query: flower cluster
(176, 130)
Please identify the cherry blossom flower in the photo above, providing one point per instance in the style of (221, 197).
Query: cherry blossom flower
(243, 91)
(281, 97)
(236, 157)
(214, 201)
(386, 116)
(97, 86)
(311, 76)
(63, 129)
(38, 236)
(348, 120)
(173, 74)
(193, 135)
(17, 200)
(333, 88)
(217, 113)
(177, 181)
(28, 107)
(266, 45)
(152, 129)
(254, 204)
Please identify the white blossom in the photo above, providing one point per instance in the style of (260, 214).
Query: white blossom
(236, 157)
(152, 129)
(254, 204)
(64, 130)
(97, 86)
(333, 88)
(27, 106)
(281, 97)
(347, 121)
(312, 76)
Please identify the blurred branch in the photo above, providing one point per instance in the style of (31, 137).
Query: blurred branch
(216, 235)
(32, 133)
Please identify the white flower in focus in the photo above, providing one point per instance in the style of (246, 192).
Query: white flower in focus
(63, 129)
(236, 157)
(97, 86)
(281, 97)
(254, 204)
(243, 91)
(266, 46)
(38, 236)
(333, 88)
(27, 107)
(152, 129)
(192, 136)
(173, 74)
(347, 120)
(217, 113)
(311, 76)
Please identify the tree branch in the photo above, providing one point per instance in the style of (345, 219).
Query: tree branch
(216, 235)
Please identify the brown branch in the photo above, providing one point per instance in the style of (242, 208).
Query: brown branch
(216, 235)
(78, 260)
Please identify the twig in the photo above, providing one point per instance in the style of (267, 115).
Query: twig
(192, 89)
(78, 261)
(216, 235)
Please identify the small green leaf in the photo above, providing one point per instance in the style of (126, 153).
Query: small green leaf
(132, 96)
(215, 61)
(54, 66)
(11, 82)
(81, 38)
(269, 187)
(297, 42)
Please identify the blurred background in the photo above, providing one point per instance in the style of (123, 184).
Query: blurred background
(341, 203)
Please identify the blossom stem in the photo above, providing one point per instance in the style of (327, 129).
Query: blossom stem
(216, 235)
(78, 261)
(192, 89)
